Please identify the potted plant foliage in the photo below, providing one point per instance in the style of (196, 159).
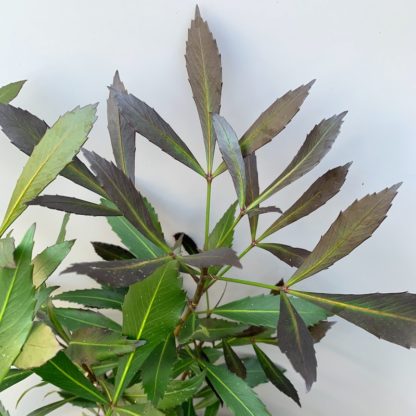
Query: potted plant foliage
(170, 353)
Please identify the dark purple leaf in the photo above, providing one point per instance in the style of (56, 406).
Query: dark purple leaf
(293, 256)
(110, 252)
(233, 361)
(216, 257)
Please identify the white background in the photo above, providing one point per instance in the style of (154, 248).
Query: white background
(363, 56)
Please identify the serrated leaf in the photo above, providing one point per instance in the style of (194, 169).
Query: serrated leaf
(74, 206)
(61, 372)
(264, 310)
(93, 298)
(293, 256)
(56, 149)
(157, 369)
(352, 227)
(26, 130)
(75, 319)
(235, 393)
(46, 262)
(215, 257)
(151, 310)
(317, 144)
(13, 377)
(319, 330)
(10, 91)
(148, 123)
(91, 345)
(320, 192)
(231, 153)
(6, 253)
(272, 121)
(125, 196)
(203, 63)
(220, 236)
(233, 361)
(275, 375)
(389, 316)
(122, 135)
(295, 341)
(212, 329)
(17, 303)
(118, 273)
(252, 191)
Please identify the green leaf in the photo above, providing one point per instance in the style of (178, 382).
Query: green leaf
(211, 329)
(3, 411)
(138, 410)
(122, 135)
(126, 197)
(233, 361)
(188, 409)
(213, 409)
(293, 256)
(272, 121)
(203, 63)
(10, 91)
(389, 316)
(235, 393)
(40, 346)
(45, 410)
(93, 298)
(157, 369)
(252, 191)
(320, 192)
(74, 206)
(119, 273)
(231, 153)
(255, 373)
(151, 310)
(148, 123)
(13, 377)
(26, 130)
(17, 303)
(46, 262)
(295, 341)
(75, 319)
(91, 345)
(264, 310)
(276, 376)
(61, 372)
(56, 149)
(317, 144)
(352, 227)
(111, 252)
(220, 236)
(6, 253)
(62, 231)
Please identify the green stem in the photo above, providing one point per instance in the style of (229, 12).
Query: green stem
(207, 212)
(248, 283)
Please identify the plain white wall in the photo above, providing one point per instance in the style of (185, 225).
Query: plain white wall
(363, 56)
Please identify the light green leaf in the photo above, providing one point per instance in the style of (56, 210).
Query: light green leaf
(93, 298)
(17, 303)
(235, 393)
(62, 231)
(219, 236)
(3, 411)
(46, 262)
(211, 329)
(138, 410)
(56, 149)
(6, 253)
(10, 91)
(40, 346)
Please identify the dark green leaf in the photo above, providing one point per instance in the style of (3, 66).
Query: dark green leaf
(17, 303)
(252, 191)
(122, 135)
(138, 410)
(352, 227)
(213, 409)
(125, 196)
(13, 377)
(148, 123)
(61, 372)
(255, 373)
(295, 341)
(203, 63)
(111, 252)
(211, 329)
(215, 257)
(45, 410)
(75, 319)
(6, 253)
(293, 256)
(73, 206)
(231, 153)
(220, 235)
(157, 369)
(389, 316)
(93, 298)
(118, 273)
(321, 191)
(188, 409)
(26, 130)
(10, 91)
(233, 361)
(235, 393)
(275, 375)
(317, 144)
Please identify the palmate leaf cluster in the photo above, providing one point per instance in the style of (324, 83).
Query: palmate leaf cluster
(167, 354)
